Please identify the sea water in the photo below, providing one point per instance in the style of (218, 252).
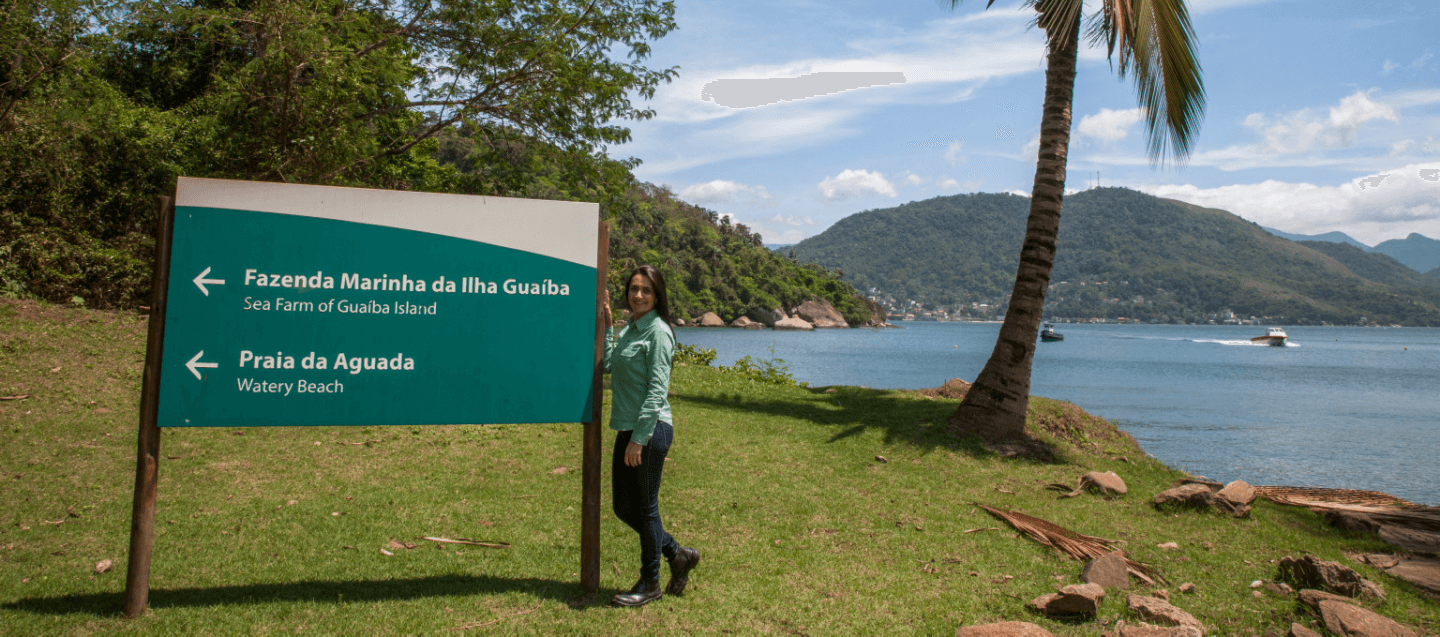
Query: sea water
(1342, 407)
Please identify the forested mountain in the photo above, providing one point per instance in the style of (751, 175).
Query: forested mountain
(712, 265)
(1120, 253)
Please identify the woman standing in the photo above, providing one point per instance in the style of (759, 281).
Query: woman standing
(639, 363)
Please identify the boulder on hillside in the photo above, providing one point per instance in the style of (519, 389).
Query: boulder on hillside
(1189, 495)
(1349, 620)
(1108, 570)
(1160, 611)
(1312, 598)
(1299, 630)
(793, 324)
(1423, 572)
(1143, 629)
(767, 316)
(1348, 520)
(877, 313)
(1308, 572)
(1413, 540)
(743, 321)
(1235, 498)
(709, 319)
(1075, 599)
(680, 322)
(820, 313)
(1108, 482)
(1003, 629)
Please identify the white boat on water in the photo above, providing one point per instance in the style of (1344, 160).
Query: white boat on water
(1273, 336)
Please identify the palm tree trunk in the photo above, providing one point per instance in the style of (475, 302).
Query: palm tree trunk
(994, 408)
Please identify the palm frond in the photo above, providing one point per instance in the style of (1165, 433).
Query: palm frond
(1312, 496)
(1058, 19)
(1115, 26)
(1167, 76)
(1080, 547)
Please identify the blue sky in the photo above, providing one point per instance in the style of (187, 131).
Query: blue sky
(1309, 104)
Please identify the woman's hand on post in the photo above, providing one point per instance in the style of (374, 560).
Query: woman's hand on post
(609, 318)
(632, 454)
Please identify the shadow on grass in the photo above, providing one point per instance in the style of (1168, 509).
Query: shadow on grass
(850, 411)
(110, 604)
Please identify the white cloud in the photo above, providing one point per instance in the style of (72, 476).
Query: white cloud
(759, 132)
(1307, 138)
(1401, 147)
(912, 179)
(720, 191)
(793, 220)
(952, 154)
(948, 184)
(1422, 60)
(1356, 110)
(1371, 208)
(1110, 126)
(1389, 66)
(789, 235)
(688, 131)
(854, 183)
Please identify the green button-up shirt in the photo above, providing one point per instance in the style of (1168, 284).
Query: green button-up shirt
(639, 364)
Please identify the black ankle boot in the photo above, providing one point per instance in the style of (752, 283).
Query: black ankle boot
(680, 565)
(644, 592)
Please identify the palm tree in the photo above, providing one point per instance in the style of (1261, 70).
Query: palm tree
(1156, 46)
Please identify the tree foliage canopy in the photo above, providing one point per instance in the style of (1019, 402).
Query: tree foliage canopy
(103, 103)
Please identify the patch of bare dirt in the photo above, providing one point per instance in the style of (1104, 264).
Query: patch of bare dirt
(954, 389)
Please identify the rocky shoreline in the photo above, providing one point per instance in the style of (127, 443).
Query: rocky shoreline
(1339, 599)
(811, 315)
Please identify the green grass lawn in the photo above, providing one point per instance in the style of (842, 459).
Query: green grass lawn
(803, 530)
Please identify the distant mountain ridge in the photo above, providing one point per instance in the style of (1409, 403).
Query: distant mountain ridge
(1417, 252)
(1120, 253)
(1332, 237)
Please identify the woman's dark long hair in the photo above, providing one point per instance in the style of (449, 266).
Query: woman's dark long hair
(657, 281)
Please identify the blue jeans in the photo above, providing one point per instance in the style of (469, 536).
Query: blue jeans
(635, 493)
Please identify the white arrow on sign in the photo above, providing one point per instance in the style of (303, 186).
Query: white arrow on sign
(200, 281)
(194, 364)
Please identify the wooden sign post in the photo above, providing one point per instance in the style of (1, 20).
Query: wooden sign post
(308, 305)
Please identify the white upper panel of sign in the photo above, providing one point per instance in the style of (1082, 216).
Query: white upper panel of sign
(560, 229)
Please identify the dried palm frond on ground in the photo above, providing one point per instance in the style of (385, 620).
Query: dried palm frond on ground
(1316, 496)
(1080, 547)
(1410, 517)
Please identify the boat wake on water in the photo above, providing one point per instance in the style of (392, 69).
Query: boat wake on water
(1244, 343)
(1212, 341)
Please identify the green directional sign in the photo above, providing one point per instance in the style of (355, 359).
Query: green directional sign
(309, 305)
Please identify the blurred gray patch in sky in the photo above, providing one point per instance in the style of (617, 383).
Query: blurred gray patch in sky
(1373, 181)
(741, 93)
(1430, 174)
